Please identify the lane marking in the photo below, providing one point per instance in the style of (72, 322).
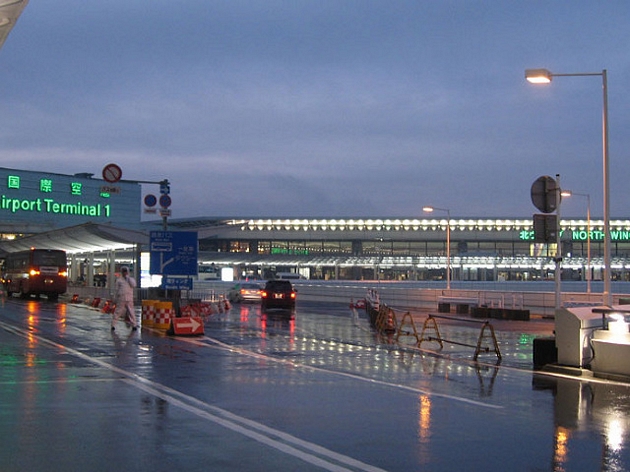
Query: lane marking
(58, 381)
(283, 442)
(232, 423)
(292, 363)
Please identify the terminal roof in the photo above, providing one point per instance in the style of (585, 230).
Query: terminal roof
(88, 237)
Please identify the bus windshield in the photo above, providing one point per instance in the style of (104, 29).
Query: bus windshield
(49, 258)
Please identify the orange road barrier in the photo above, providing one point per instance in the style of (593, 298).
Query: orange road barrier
(386, 320)
(430, 326)
(407, 328)
(109, 307)
(163, 315)
(148, 312)
(186, 326)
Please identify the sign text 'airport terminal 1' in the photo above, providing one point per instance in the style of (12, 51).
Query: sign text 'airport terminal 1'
(59, 200)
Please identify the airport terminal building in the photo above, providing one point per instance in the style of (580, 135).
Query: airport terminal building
(99, 224)
(408, 249)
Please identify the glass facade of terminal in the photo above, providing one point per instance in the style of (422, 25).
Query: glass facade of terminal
(415, 249)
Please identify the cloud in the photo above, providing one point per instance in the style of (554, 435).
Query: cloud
(269, 108)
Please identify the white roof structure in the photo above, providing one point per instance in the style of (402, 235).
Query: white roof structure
(10, 11)
(85, 238)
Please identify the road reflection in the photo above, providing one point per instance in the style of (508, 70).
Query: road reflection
(580, 407)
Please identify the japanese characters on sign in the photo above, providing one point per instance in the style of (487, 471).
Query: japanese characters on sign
(60, 199)
(173, 252)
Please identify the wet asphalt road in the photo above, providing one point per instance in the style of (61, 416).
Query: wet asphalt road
(319, 391)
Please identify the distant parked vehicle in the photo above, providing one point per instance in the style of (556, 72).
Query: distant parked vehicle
(245, 292)
(278, 294)
(289, 276)
(100, 280)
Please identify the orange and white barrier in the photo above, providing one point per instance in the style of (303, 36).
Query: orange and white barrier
(163, 315)
(148, 312)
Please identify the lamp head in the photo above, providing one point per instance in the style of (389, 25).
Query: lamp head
(538, 76)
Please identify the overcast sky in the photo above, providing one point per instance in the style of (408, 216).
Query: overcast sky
(298, 108)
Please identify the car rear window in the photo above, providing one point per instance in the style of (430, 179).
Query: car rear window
(251, 286)
(279, 285)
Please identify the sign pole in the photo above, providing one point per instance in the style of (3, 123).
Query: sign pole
(165, 202)
(546, 196)
(558, 259)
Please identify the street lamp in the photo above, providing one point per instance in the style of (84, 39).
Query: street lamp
(569, 193)
(543, 76)
(430, 209)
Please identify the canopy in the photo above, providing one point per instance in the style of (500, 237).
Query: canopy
(85, 238)
(9, 13)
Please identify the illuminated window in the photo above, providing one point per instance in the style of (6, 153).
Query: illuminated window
(264, 247)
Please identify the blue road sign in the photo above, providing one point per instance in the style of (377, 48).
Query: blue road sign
(150, 200)
(165, 201)
(177, 283)
(173, 252)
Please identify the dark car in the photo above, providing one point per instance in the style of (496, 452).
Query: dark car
(278, 294)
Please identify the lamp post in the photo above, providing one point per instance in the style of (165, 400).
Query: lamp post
(430, 209)
(543, 76)
(569, 193)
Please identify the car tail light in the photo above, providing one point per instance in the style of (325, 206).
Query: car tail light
(33, 272)
(264, 294)
(293, 294)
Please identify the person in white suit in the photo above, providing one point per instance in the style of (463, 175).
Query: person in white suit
(125, 287)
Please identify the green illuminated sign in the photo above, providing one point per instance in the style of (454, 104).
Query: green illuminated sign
(13, 181)
(58, 200)
(45, 185)
(294, 252)
(582, 235)
(48, 205)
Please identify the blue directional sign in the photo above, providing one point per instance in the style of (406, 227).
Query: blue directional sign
(173, 252)
(177, 283)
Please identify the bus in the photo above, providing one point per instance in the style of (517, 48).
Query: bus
(36, 272)
(289, 276)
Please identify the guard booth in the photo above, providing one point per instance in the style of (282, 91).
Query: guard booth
(574, 331)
